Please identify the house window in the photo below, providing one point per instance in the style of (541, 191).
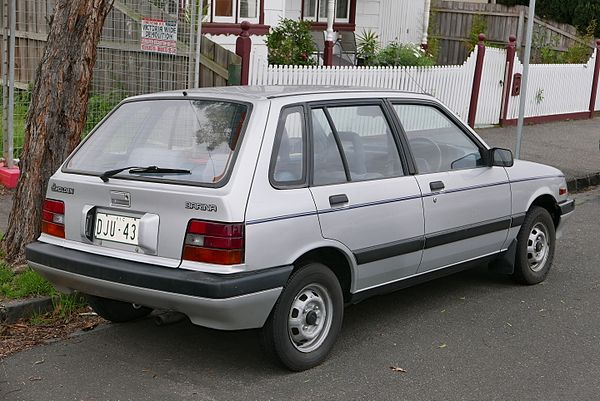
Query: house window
(311, 7)
(235, 11)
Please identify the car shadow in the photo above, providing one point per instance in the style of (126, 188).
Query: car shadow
(239, 353)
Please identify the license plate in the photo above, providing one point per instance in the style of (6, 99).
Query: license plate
(116, 228)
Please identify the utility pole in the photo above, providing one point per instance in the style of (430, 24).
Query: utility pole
(523, 98)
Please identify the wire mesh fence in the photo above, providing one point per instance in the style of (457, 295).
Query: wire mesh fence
(146, 46)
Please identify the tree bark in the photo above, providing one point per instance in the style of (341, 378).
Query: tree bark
(56, 114)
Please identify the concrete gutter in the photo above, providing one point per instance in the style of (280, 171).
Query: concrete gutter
(13, 310)
(577, 184)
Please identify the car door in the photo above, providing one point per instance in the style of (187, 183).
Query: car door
(364, 198)
(467, 205)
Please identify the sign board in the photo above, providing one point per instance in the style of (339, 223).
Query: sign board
(159, 36)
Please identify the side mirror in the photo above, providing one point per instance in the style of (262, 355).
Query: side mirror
(500, 157)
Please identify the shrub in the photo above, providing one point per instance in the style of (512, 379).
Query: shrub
(291, 43)
(399, 54)
(367, 45)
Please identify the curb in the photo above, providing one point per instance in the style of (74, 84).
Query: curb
(576, 184)
(13, 310)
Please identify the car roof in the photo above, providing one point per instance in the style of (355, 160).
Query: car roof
(277, 91)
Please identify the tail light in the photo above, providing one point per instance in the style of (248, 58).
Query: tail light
(563, 191)
(53, 218)
(210, 242)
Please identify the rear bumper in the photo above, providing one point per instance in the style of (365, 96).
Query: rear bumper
(220, 301)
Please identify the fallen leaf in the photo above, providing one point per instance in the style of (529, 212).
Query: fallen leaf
(509, 324)
(442, 346)
(89, 327)
(443, 311)
(34, 378)
(463, 298)
(39, 362)
(397, 369)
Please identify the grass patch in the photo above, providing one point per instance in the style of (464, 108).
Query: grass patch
(22, 285)
(67, 304)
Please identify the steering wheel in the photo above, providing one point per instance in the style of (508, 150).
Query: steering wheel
(427, 149)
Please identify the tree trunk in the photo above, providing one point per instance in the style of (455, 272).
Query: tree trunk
(57, 113)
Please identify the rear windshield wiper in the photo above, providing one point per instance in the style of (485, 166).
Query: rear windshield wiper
(143, 170)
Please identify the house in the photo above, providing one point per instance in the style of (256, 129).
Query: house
(393, 20)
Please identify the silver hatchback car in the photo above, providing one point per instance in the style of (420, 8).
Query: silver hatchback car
(274, 207)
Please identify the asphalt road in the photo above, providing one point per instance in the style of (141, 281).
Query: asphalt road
(471, 336)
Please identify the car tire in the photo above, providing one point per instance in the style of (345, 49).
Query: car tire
(117, 311)
(535, 247)
(306, 319)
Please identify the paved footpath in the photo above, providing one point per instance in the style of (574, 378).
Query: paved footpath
(571, 146)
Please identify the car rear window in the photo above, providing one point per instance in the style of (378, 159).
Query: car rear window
(199, 136)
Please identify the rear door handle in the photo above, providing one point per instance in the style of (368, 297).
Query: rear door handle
(436, 185)
(338, 199)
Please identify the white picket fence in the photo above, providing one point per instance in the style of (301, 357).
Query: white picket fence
(450, 84)
(553, 88)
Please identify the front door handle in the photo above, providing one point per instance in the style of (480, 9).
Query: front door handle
(436, 185)
(338, 199)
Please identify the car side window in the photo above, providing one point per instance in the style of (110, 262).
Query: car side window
(435, 141)
(367, 141)
(288, 162)
(328, 167)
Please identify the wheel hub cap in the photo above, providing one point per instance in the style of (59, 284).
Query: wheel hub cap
(310, 317)
(537, 247)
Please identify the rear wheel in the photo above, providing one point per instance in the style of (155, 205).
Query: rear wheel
(307, 318)
(117, 311)
(535, 247)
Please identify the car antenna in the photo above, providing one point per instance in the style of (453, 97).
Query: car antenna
(416, 82)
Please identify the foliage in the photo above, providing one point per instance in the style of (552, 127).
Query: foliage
(367, 45)
(21, 285)
(291, 43)
(433, 43)
(580, 13)
(99, 105)
(543, 48)
(67, 304)
(479, 26)
(22, 99)
(399, 54)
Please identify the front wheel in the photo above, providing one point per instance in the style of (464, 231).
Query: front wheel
(535, 247)
(307, 318)
(116, 311)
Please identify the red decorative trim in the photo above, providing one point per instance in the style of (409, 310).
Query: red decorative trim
(328, 53)
(224, 28)
(261, 14)
(584, 115)
(352, 15)
(337, 26)
(243, 46)
(476, 80)
(508, 74)
(595, 80)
